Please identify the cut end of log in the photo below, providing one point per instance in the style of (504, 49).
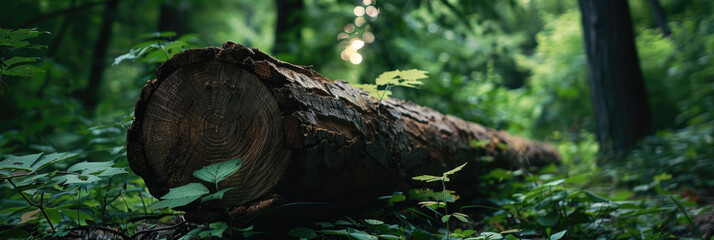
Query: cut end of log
(202, 113)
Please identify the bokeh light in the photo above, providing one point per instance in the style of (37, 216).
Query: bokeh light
(359, 11)
(356, 58)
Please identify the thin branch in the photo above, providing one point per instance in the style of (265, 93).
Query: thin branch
(42, 198)
(159, 229)
(103, 228)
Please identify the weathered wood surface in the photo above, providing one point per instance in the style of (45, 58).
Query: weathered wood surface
(302, 137)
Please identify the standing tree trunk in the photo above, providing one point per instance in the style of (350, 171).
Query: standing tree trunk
(90, 95)
(618, 92)
(301, 136)
(287, 28)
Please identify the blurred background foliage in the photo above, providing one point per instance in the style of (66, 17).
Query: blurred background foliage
(514, 65)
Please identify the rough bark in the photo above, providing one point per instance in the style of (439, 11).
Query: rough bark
(617, 88)
(302, 137)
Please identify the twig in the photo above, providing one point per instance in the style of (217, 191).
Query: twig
(42, 198)
(103, 228)
(159, 229)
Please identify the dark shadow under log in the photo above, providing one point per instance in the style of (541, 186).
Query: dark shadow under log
(302, 137)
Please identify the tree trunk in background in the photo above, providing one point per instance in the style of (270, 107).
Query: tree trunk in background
(302, 137)
(287, 28)
(660, 17)
(173, 18)
(618, 92)
(90, 95)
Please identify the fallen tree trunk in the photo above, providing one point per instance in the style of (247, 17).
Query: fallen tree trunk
(302, 137)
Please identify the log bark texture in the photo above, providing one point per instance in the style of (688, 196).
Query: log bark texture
(302, 137)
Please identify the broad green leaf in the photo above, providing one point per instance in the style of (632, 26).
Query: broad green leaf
(22, 71)
(188, 190)
(558, 235)
(452, 171)
(578, 179)
(413, 74)
(48, 159)
(191, 234)
(75, 179)
(90, 167)
(594, 197)
(172, 203)
(16, 60)
(216, 195)
(554, 183)
(217, 172)
(549, 220)
(217, 229)
(431, 203)
(445, 218)
(387, 77)
(54, 215)
(370, 88)
(111, 172)
(374, 221)
(462, 217)
(81, 219)
(360, 235)
(302, 232)
(21, 162)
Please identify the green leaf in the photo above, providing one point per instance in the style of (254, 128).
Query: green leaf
(462, 217)
(22, 162)
(431, 203)
(558, 235)
(17, 60)
(578, 179)
(302, 232)
(54, 215)
(191, 234)
(181, 196)
(452, 171)
(594, 197)
(217, 172)
(427, 178)
(111, 172)
(217, 195)
(81, 219)
(413, 74)
(360, 235)
(75, 179)
(217, 229)
(369, 88)
(445, 218)
(48, 159)
(387, 77)
(188, 190)
(88, 168)
(373, 222)
(22, 71)
(549, 220)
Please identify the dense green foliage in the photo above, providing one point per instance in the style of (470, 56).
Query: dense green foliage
(513, 65)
